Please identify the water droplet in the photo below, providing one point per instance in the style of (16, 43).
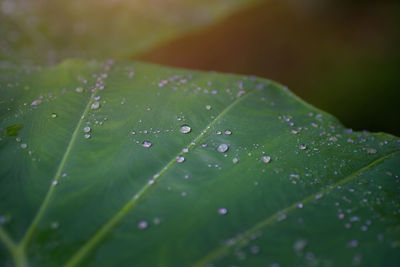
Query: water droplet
(23, 146)
(87, 129)
(294, 132)
(55, 225)
(95, 105)
(133, 132)
(180, 159)
(79, 90)
(87, 136)
(142, 225)
(218, 132)
(185, 150)
(303, 147)
(228, 132)
(208, 107)
(53, 115)
(146, 144)
(235, 160)
(222, 148)
(222, 211)
(371, 150)
(300, 245)
(266, 159)
(300, 205)
(255, 249)
(54, 183)
(352, 244)
(185, 129)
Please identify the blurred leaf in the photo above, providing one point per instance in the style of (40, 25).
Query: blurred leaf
(260, 178)
(47, 31)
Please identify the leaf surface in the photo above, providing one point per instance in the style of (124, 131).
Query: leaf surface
(260, 178)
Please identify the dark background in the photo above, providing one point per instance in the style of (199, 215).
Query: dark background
(341, 56)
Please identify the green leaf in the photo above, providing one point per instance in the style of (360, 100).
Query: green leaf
(47, 30)
(266, 178)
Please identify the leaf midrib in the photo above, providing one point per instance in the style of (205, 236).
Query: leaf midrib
(222, 250)
(120, 214)
(18, 249)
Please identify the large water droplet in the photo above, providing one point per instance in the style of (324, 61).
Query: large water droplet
(222, 148)
(185, 129)
(146, 144)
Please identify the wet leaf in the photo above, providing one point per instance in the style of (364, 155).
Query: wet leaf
(151, 166)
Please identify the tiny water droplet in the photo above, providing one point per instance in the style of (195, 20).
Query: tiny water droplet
(53, 115)
(300, 245)
(79, 90)
(95, 105)
(142, 225)
(222, 148)
(235, 160)
(222, 211)
(228, 132)
(218, 132)
(266, 159)
(303, 147)
(208, 107)
(185, 129)
(55, 225)
(146, 144)
(23, 146)
(54, 183)
(180, 159)
(87, 136)
(87, 129)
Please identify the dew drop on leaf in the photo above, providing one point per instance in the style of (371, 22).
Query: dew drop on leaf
(23, 146)
(95, 105)
(185, 129)
(142, 225)
(87, 129)
(146, 144)
(180, 159)
(87, 136)
(266, 159)
(53, 115)
(222, 148)
(222, 211)
(228, 132)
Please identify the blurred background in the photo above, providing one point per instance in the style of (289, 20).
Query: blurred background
(342, 56)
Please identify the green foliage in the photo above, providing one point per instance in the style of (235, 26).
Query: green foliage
(46, 31)
(260, 178)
